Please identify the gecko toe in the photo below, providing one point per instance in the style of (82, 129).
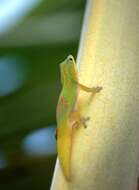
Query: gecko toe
(98, 88)
(84, 120)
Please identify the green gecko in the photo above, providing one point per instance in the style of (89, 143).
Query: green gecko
(68, 113)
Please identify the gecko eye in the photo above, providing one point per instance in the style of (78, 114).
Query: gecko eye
(70, 58)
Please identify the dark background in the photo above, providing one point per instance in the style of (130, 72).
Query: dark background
(34, 39)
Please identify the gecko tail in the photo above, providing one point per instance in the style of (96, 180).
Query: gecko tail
(64, 146)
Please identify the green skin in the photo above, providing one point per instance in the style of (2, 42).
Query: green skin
(68, 113)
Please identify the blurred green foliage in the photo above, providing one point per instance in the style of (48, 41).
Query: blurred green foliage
(32, 106)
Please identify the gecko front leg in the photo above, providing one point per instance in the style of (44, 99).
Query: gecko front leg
(93, 90)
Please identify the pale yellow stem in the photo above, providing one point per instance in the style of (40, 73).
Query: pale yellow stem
(105, 154)
(58, 181)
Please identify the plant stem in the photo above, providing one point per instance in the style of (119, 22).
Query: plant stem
(105, 154)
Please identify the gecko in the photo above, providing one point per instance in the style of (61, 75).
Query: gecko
(68, 114)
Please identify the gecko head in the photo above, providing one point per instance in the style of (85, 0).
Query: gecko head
(68, 68)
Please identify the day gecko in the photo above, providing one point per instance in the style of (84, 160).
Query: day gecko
(68, 114)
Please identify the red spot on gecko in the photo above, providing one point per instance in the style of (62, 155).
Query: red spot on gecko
(62, 103)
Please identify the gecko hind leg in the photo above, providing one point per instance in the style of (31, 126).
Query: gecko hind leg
(81, 121)
(78, 120)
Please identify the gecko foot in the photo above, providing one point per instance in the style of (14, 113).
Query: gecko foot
(83, 120)
(96, 89)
